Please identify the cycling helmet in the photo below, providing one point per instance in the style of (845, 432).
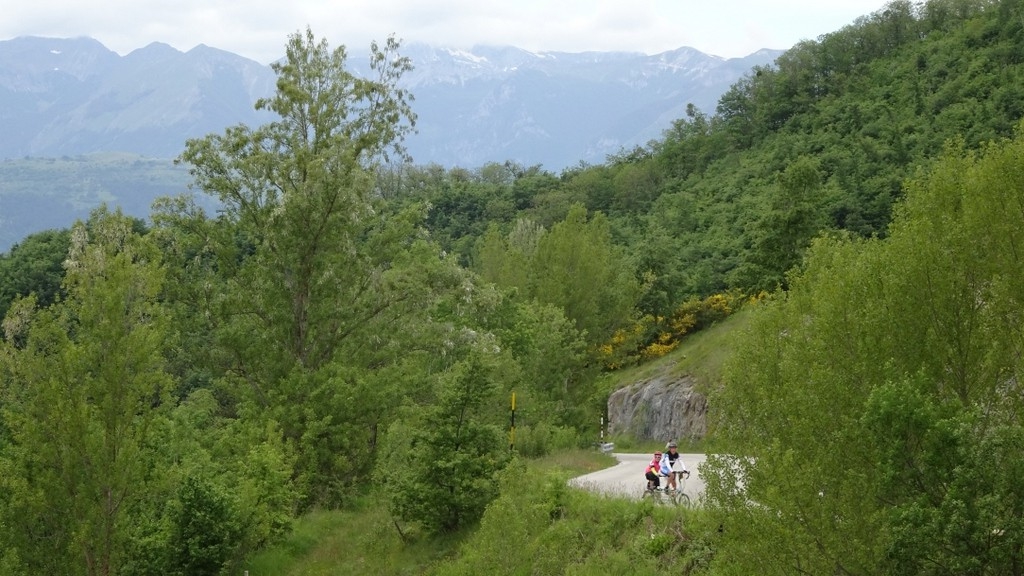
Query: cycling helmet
(671, 445)
(657, 454)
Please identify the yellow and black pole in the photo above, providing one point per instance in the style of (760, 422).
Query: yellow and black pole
(512, 430)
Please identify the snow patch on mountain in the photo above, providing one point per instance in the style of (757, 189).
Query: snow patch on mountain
(474, 105)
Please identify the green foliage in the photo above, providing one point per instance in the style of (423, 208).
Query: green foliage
(539, 525)
(335, 288)
(33, 266)
(542, 439)
(573, 266)
(84, 386)
(879, 397)
(130, 477)
(795, 216)
(196, 261)
(205, 529)
(312, 530)
(217, 375)
(365, 539)
(440, 461)
(552, 359)
(266, 494)
(218, 492)
(577, 268)
(361, 540)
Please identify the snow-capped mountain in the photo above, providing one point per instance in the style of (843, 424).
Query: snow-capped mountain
(554, 108)
(74, 96)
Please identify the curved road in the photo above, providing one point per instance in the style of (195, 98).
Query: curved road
(627, 477)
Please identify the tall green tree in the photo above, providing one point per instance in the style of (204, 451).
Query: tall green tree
(578, 268)
(84, 385)
(331, 284)
(795, 215)
(574, 266)
(298, 187)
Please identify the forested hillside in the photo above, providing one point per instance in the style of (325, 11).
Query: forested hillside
(821, 140)
(175, 393)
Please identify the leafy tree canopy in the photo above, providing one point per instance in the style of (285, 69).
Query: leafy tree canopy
(879, 399)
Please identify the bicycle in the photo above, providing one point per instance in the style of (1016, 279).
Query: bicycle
(663, 495)
(681, 495)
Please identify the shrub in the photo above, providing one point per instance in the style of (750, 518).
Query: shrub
(205, 530)
(448, 453)
(542, 439)
(652, 337)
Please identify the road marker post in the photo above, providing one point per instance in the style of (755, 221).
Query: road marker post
(512, 429)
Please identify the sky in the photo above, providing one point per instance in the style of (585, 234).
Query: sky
(258, 29)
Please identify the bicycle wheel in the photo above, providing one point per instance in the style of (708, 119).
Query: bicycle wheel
(681, 498)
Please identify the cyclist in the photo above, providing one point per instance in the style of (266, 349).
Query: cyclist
(673, 465)
(655, 469)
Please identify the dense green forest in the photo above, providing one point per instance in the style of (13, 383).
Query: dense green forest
(175, 393)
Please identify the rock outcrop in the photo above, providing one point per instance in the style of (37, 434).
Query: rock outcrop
(661, 408)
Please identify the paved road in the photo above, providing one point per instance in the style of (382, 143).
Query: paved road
(627, 477)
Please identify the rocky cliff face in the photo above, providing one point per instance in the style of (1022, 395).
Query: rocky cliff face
(662, 408)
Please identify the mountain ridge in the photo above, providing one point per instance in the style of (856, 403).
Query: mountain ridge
(83, 122)
(72, 96)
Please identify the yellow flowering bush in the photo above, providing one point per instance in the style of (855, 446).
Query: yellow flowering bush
(652, 337)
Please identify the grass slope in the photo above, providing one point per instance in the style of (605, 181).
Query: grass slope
(700, 354)
(538, 525)
(366, 540)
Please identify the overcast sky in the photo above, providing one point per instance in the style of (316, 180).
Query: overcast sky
(258, 29)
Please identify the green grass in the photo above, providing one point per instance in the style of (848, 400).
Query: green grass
(702, 355)
(538, 525)
(575, 462)
(705, 353)
(366, 539)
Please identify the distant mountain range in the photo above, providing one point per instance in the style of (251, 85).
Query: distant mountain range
(67, 97)
(82, 125)
(64, 97)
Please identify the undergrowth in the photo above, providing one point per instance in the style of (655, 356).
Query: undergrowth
(541, 526)
(537, 526)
